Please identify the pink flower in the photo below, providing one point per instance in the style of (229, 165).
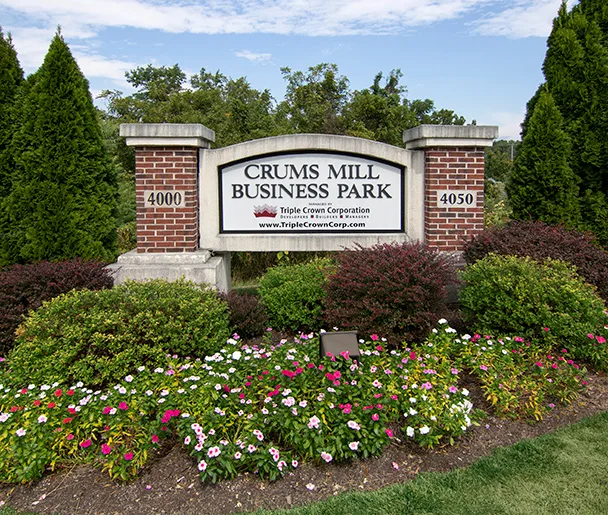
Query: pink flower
(128, 456)
(483, 367)
(453, 389)
(326, 456)
(426, 386)
(85, 444)
(154, 438)
(455, 371)
(107, 410)
(70, 437)
(388, 432)
(105, 449)
(374, 337)
(590, 336)
(123, 406)
(202, 466)
(375, 417)
(546, 329)
(539, 364)
(600, 339)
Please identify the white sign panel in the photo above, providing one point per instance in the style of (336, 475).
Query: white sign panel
(311, 192)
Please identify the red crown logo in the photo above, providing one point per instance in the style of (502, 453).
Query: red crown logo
(265, 211)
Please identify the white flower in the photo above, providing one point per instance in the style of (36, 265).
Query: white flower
(310, 486)
(424, 430)
(122, 390)
(149, 393)
(42, 419)
(4, 417)
(141, 369)
(442, 321)
(353, 446)
(326, 456)
(465, 392)
(213, 452)
(237, 456)
(202, 465)
(413, 412)
(187, 440)
(128, 379)
(353, 425)
(218, 387)
(410, 432)
(303, 404)
(20, 432)
(236, 355)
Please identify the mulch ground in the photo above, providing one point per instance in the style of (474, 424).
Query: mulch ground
(170, 482)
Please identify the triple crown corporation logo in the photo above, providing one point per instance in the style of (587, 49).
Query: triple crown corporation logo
(265, 211)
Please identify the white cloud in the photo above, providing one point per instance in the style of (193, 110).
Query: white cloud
(304, 17)
(255, 57)
(509, 124)
(527, 18)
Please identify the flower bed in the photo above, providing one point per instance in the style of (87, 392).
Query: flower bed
(264, 408)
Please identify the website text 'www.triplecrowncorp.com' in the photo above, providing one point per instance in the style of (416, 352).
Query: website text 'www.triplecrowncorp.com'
(312, 225)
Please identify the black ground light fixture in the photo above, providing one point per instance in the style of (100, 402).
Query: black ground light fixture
(338, 342)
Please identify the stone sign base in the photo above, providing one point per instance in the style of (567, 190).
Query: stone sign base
(199, 267)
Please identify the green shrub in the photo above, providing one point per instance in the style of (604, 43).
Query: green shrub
(546, 301)
(294, 294)
(99, 336)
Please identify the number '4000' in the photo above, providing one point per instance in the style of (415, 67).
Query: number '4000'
(165, 198)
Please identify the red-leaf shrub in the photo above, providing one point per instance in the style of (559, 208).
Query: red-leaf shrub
(26, 287)
(248, 316)
(395, 290)
(539, 241)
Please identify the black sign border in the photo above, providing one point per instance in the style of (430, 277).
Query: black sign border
(401, 168)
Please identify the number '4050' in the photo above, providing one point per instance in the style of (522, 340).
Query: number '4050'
(456, 199)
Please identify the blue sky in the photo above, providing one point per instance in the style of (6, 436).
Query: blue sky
(481, 58)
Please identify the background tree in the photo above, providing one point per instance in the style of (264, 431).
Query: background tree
(576, 73)
(63, 199)
(543, 186)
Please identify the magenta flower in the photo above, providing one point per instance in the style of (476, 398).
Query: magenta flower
(107, 410)
(85, 444)
(154, 438)
(123, 406)
(388, 432)
(105, 449)
(374, 337)
(375, 417)
(483, 367)
(128, 456)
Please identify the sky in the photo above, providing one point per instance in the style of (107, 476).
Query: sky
(481, 58)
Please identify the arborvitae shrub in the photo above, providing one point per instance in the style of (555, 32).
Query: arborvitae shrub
(294, 294)
(98, 337)
(396, 290)
(248, 316)
(541, 241)
(25, 287)
(547, 301)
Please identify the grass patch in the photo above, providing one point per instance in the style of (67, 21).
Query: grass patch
(560, 473)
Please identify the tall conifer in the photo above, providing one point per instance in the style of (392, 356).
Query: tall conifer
(63, 198)
(543, 186)
(11, 78)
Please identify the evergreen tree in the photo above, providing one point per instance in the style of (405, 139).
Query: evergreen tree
(63, 198)
(543, 186)
(11, 77)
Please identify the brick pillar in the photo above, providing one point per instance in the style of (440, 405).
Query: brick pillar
(166, 175)
(453, 181)
(163, 173)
